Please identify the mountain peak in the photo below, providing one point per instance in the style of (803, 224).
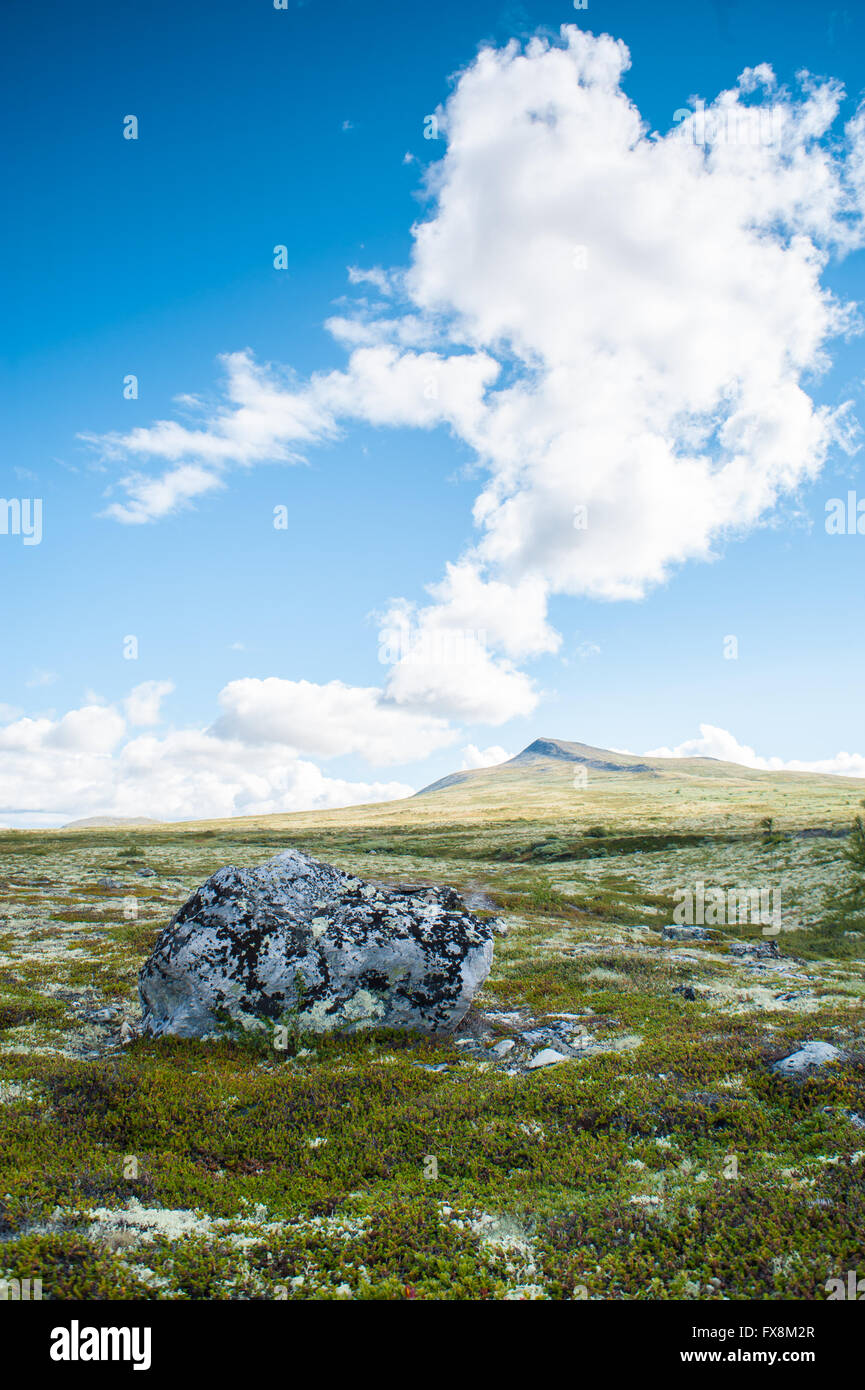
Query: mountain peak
(602, 759)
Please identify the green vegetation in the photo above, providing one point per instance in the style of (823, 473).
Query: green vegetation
(668, 1162)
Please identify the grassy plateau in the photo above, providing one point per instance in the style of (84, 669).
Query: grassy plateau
(663, 1159)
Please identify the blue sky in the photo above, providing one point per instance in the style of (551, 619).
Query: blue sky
(304, 127)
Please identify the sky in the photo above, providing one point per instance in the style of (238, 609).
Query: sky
(386, 386)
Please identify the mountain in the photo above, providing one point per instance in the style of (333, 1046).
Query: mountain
(539, 754)
(579, 787)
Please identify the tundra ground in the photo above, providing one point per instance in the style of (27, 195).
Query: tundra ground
(663, 1159)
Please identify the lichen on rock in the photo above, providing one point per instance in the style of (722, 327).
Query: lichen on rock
(297, 937)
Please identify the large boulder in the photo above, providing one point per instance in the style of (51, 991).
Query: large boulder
(298, 939)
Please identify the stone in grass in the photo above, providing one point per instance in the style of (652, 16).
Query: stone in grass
(295, 937)
(806, 1059)
(545, 1059)
(146, 873)
(673, 933)
(763, 950)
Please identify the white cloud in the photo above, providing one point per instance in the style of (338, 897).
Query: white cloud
(620, 323)
(269, 417)
(450, 671)
(663, 298)
(142, 705)
(454, 656)
(95, 729)
(719, 743)
(328, 720)
(513, 616)
(52, 771)
(150, 499)
(483, 757)
(373, 276)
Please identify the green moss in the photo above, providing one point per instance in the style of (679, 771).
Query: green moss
(336, 1146)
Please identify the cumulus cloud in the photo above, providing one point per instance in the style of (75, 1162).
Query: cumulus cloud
(483, 757)
(720, 743)
(143, 704)
(92, 729)
(268, 416)
(151, 499)
(621, 324)
(328, 720)
(374, 275)
(455, 655)
(86, 764)
(662, 296)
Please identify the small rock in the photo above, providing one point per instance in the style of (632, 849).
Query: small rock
(547, 1058)
(761, 949)
(146, 873)
(535, 1036)
(504, 1047)
(109, 883)
(686, 991)
(476, 900)
(673, 933)
(807, 1058)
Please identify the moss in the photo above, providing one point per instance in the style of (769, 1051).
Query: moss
(610, 1168)
(69, 1267)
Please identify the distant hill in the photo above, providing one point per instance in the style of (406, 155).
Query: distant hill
(108, 822)
(579, 787)
(544, 759)
(543, 749)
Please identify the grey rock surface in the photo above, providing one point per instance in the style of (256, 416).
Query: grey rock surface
(807, 1058)
(760, 950)
(298, 938)
(548, 1058)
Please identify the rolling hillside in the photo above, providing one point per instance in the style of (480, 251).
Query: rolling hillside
(553, 780)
